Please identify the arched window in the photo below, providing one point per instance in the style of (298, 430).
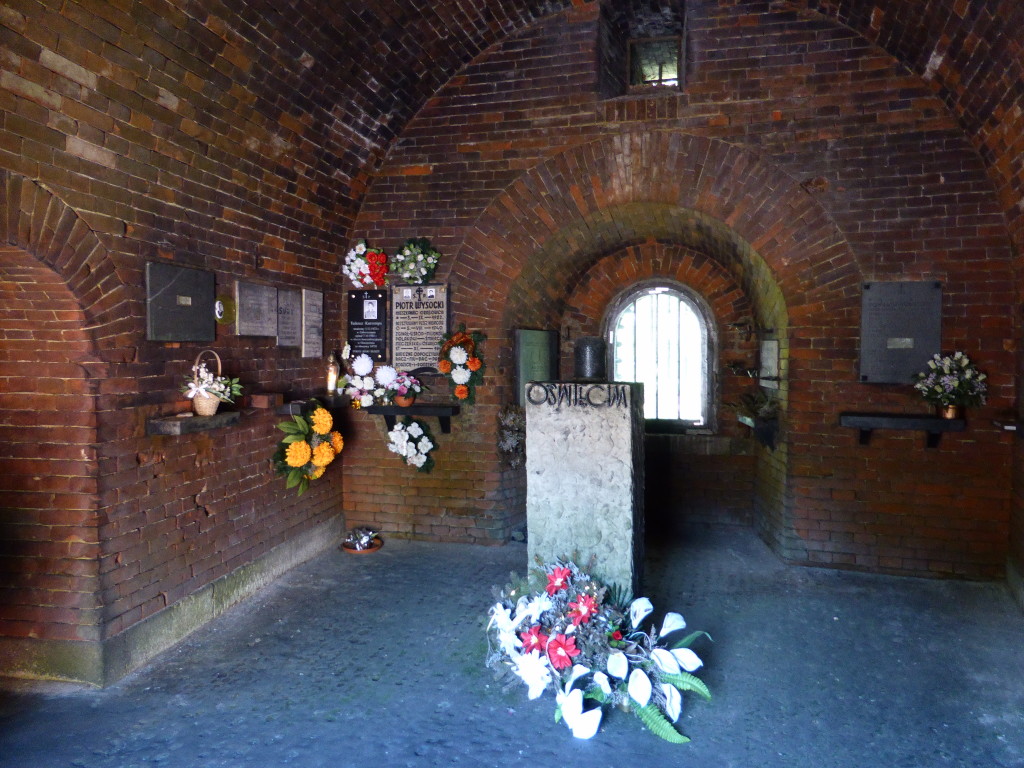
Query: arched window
(660, 334)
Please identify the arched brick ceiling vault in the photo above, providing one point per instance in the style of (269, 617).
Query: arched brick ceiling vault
(970, 52)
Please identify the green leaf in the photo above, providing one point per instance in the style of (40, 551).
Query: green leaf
(293, 439)
(303, 485)
(657, 723)
(687, 641)
(289, 428)
(301, 423)
(684, 681)
(294, 478)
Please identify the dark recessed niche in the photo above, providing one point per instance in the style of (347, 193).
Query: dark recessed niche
(641, 47)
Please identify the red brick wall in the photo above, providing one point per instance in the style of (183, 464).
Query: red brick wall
(528, 178)
(49, 544)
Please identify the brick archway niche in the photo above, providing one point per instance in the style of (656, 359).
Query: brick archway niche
(538, 241)
(51, 621)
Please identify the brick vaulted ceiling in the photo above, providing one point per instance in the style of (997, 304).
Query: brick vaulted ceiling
(360, 70)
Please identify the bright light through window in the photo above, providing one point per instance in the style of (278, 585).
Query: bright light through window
(658, 338)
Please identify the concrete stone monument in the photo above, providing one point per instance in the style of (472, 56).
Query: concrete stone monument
(585, 476)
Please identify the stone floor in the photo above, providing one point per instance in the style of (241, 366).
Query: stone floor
(377, 660)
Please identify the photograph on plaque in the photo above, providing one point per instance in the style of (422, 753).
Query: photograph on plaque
(179, 303)
(900, 329)
(256, 309)
(536, 358)
(289, 317)
(419, 319)
(368, 324)
(312, 323)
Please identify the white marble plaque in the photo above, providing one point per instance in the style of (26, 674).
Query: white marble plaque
(419, 320)
(257, 309)
(312, 323)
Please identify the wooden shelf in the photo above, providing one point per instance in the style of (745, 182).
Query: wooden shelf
(390, 413)
(188, 424)
(934, 426)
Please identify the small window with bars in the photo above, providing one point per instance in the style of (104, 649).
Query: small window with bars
(654, 62)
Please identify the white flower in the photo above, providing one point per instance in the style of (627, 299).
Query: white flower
(673, 701)
(501, 617)
(415, 430)
(366, 400)
(534, 671)
(687, 659)
(673, 621)
(666, 661)
(458, 355)
(618, 665)
(603, 683)
(582, 724)
(537, 606)
(360, 248)
(362, 365)
(425, 445)
(639, 687)
(386, 376)
(346, 351)
(418, 460)
(461, 375)
(639, 610)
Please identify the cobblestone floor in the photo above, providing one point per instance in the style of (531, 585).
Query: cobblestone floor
(377, 660)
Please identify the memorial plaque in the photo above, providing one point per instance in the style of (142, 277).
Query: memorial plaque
(289, 317)
(179, 303)
(368, 323)
(900, 329)
(419, 319)
(312, 323)
(256, 308)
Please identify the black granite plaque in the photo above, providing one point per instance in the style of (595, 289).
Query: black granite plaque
(179, 303)
(368, 323)
(900, 329)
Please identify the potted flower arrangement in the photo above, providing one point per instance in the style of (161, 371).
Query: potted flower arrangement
(405, 387)
(310, 444)
(461, 363)
(952, 382)
(366, 267)
(207, 390)
(411, 440)
(561, 629)
(416, 261)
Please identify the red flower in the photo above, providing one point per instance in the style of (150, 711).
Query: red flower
(558, 580)
(444, 366)
(582, 609)
(561, 649)
(533, 639)
(461, 391)
(616, 635)
(474, 363)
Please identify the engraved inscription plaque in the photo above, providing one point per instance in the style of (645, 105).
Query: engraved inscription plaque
(900, 329)
(179, 303)
(368, 323)
(257, 309)
(419, 318)
(289, 317)
(312, 323)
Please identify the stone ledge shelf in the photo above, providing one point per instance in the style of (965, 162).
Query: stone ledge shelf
(933, 425)
(187, 425)
(443, 413)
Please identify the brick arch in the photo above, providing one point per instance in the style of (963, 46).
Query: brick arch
(49, 535)
(36, 220)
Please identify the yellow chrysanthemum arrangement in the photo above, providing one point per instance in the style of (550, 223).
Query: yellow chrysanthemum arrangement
(310, 444)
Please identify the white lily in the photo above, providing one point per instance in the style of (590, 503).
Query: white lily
(582, 724)
(603, 683)
(618, 665)
(687, 659)
(639, 609)
(640, 687)
(666, 661)
(673, 701)
(673, 621)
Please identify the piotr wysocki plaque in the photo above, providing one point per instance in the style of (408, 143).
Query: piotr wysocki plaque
(312, 323)
(289, 317)
(256, 308)
(368, 323)
(900, 329)
(419, 318)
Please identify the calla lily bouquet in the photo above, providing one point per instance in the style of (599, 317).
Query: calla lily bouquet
(560, 629)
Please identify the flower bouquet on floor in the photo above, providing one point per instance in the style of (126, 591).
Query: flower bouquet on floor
(310, 444)
(561, 629)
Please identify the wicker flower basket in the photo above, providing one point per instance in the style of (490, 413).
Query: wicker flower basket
(203, 404)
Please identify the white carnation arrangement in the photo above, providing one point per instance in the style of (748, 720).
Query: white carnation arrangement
(416, 261)
(411, 440)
